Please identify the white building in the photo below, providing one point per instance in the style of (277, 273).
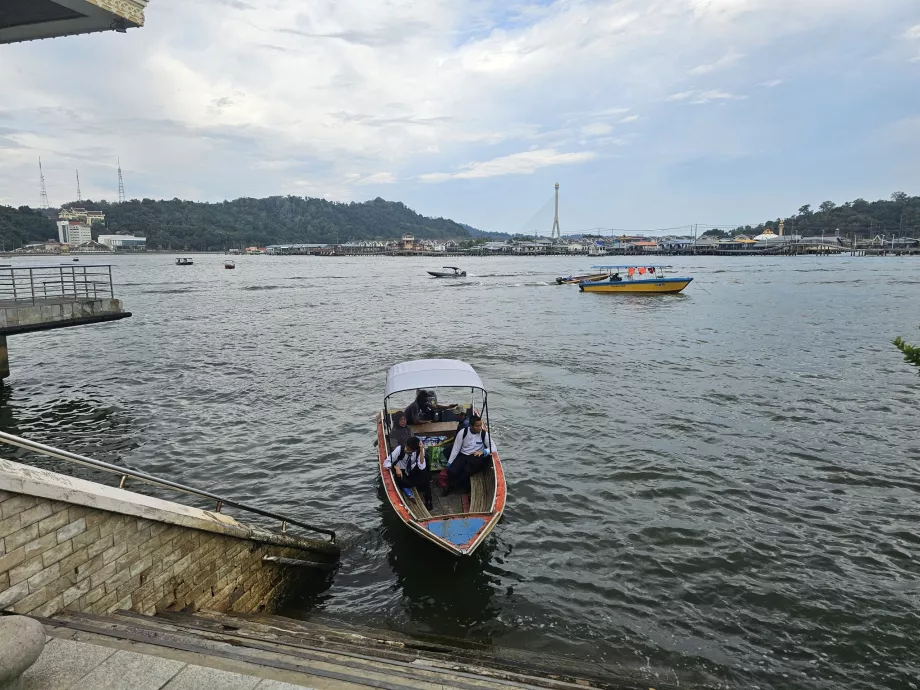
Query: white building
(74, 232)
(124, 242)
(82, 215)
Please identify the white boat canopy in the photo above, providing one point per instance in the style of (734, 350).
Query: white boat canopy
(431, 373)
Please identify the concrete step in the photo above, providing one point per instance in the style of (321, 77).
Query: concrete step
(344, 638)
(316, 655)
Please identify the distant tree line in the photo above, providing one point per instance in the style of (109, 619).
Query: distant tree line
(19, 226)
(178, 224)
(191, 225)
(898, 216)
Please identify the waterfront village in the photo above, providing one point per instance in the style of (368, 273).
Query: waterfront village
(75, 236)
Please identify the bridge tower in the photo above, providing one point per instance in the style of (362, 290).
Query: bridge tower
(555, 234)
(121, 185)
(44, 192)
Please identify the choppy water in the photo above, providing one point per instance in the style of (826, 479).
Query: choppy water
(716, 489)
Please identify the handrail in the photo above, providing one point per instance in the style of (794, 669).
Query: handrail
(126, 472)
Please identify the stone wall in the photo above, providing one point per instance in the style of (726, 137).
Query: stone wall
(64, 554)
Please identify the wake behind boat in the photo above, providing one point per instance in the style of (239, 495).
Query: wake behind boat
(457, 522)
(635, 279)
(451, 272)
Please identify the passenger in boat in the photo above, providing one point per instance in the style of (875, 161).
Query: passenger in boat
(410, 468)
(422, 409)
(615, 278)
(472, 453)
(400, 432)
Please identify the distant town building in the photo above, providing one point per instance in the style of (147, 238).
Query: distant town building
(81, 215)
(124, 242)
(74, 232)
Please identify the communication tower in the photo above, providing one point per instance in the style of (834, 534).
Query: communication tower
(44, 192)
(555, 234)
(79, 194)
(121, 185)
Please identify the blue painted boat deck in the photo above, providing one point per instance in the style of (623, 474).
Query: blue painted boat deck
(457, 531)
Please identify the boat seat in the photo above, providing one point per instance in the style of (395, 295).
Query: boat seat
(481, 490)
(416, 505)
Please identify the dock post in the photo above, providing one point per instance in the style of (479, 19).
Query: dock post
(4, 359)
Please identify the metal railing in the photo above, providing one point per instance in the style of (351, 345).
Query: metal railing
(34, 284)
(127, 473)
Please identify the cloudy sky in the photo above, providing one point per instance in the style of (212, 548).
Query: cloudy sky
(649, 113)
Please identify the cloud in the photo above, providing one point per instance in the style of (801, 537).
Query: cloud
(702, 97)
(226, 98)
(724, 61)
(524, 163)
(913, 33)
(596, 129)
(773, 83)
(378, 178)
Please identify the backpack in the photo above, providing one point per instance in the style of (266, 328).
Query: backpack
(463, 429)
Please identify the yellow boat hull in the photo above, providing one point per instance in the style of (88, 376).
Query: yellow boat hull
(665, 286)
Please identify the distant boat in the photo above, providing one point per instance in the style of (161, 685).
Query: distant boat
(229, 264)
(635, 279)
(185, 261)
(452, 272)
(575, 280)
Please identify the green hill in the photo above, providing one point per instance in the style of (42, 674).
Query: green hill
(899, 215)
(19, 226)
(192, 225)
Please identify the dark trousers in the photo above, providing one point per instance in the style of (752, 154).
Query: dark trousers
(418, 479)
(463, 467)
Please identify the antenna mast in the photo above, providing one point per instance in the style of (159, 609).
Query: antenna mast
(79, 193)
(555, 234)
(44, 192)
(121, 185)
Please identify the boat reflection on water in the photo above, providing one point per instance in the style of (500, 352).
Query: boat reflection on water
(442, 593)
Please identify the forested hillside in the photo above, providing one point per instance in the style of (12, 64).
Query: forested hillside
(23, 225)
(899, 215)
(178, 224)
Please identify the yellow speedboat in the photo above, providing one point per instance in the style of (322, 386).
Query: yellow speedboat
(635, 279)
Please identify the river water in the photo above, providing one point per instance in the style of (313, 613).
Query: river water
(714, 489)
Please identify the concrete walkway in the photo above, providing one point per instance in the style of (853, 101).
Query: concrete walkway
(66, 664)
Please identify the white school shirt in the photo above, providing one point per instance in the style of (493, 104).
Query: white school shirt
(409, 460)
(470, 443)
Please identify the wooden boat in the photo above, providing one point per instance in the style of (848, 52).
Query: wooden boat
(635, 279)
(447, 524)
(575, 280)
(453, 273)
(184, 261)
(229, 264)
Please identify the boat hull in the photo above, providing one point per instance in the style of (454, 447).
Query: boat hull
(435, 274)
(658, 286)
(460, 535)
(575, 280)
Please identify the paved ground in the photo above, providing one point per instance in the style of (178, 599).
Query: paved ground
(66, 664)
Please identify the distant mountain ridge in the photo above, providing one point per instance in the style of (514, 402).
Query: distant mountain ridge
(476, 232)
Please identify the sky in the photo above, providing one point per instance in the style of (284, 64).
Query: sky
(650, 114)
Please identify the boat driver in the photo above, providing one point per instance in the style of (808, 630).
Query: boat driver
(422, 409)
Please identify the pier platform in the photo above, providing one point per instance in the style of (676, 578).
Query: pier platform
(40, 298)
(212, 651)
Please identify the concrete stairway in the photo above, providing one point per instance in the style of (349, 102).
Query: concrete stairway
(320, 653)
